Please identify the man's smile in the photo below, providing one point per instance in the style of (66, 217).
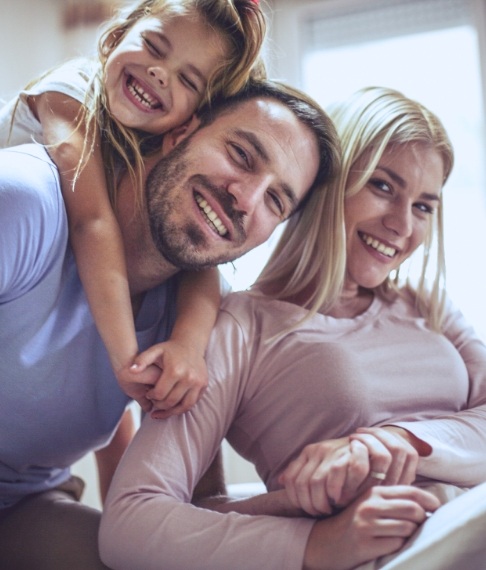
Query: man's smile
(211, 217)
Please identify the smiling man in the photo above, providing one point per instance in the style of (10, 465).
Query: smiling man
(223, 184)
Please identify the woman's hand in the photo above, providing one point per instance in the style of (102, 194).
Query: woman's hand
(333, 473)
(402, 469)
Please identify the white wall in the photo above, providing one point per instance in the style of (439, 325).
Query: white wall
(32, 40)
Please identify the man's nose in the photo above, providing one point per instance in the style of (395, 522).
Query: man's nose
(160, 74)
(249, 193)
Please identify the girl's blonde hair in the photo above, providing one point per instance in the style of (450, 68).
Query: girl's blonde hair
(367, 124)
(242, 24)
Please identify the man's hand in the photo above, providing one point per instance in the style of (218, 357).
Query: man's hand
(376, 524)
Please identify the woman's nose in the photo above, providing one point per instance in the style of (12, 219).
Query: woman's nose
(399, 220)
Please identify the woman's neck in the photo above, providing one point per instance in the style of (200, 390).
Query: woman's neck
(351, 303)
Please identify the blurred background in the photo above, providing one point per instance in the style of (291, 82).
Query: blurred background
(432, 50)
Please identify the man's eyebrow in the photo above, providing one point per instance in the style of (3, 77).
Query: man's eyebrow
(255, 142)
(399, 180)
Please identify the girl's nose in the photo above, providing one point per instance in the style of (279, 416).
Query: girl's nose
(159, 74)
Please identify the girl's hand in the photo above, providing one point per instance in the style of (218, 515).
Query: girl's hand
(136, 385)
(182, 379)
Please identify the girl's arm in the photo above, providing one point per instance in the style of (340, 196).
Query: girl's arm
(181, 358)
(94, 232)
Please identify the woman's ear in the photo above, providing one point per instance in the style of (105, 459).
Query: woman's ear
(178, 134)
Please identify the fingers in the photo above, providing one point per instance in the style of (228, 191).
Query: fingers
(153, 355)
(304, 481)
(178, 401)
(356, 474)
(400, 467)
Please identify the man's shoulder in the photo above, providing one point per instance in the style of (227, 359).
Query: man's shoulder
(32, 216)
(27, 168)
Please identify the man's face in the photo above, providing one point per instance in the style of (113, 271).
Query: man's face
(223, 190)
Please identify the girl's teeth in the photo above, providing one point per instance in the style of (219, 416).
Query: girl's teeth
(145, 98)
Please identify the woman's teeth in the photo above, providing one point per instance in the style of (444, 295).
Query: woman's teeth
(381, 247)
(211, 216)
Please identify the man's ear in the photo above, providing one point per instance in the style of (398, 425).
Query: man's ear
(178, 134)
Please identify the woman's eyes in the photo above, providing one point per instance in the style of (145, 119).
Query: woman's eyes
(384, 187)
(425, 208)
(380, 185)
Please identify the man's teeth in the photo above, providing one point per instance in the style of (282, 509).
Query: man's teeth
(211, 216)
(141, 95)
(381, 247)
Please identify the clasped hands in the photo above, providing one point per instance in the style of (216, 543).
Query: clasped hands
(329, 475)
(167, 379)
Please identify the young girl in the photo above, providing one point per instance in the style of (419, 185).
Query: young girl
(159, 61)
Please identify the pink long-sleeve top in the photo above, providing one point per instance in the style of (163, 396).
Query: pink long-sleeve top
(270, 398)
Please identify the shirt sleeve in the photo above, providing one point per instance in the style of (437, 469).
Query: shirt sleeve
(148, 521)
(458, 440)
(30, 214)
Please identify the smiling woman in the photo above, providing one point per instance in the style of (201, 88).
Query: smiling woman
(388, 217)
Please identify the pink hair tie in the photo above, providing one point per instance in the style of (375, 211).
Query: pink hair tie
(256, 2)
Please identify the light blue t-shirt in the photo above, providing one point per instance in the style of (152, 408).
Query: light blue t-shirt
(58, 396)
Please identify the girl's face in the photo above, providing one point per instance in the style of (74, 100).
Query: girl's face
(387, 220)
(156, 77)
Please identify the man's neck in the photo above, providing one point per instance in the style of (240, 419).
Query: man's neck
(146, 268)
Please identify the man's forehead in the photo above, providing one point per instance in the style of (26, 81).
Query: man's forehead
(261, 106)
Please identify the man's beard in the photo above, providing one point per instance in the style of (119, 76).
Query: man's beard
(186, 247)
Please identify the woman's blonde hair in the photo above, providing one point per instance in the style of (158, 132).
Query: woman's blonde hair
(302, 266)
(299, 270)
(369, 122)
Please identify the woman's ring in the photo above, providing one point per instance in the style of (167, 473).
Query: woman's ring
(378, 475)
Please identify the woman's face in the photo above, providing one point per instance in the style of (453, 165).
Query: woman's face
(388, 218)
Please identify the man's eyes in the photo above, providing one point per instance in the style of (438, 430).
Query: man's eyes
(240, 155)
